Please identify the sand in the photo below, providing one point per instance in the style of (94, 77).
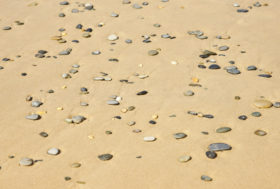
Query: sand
(253, 161)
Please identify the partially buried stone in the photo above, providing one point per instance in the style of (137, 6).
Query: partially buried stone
(214, 67)
(256, 114)
(26, 161)
(64, 3)
(36, 103)
(112, 102)
(184, 159)
(189, 93)
(136, 6)
(260, 133)
(179, 135)
(262, 103)
(53, 151)
(76, 165)
(242, 10)
(207, 53)
(211, 154)
(126, 1)
(223, 129)
(142, 93)
(219, 147)
(105, 157)
(206, 178)
(152, 52)
(33, 117)
(149, 139)
(223, 48)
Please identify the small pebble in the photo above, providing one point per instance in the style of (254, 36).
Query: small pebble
(219, 147)
(26, 161)
(142, 93)
(206, 178)
(105, 157)
(242, 117)
(184, 159)
(211, 154)
(43, 134)
(149, 139)
(223, 129)
(33, 117)
(152, 52)
(179, 135)
(260, 133)
(256, 114)
(53, 151)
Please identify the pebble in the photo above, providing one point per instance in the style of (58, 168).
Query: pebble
(261, 103)
(142, 93)
(65, 52)
(88, 6)
(26, 161)
(251, 68)
(105, 157)
(76, 165)
(207, 53)
(137, 130)
(66, 76)
(223, 129)
(112, 102)
(137, 6)
(219, 147)
(189, 93)
(265, 75)
(86, 35)
(7, 28)
(184, 159)
(211, 154)
(276, 104)
(78, 119)
(83, 104)
(242, 117)
(206, 178)
(214, 67)
(223, 48)
(152, 122)
(242, 10)
(113, 37)
(43, 134)
(61, 15)
(53, 151)
(179, 135)
(33, 117)
(75, 11)
(64, 3)
(131, 123)
(260, 133)
(126, 1)
(152, 52)
(149, 139)
(67, 178)
(96, 52)
(114, 14)
(36, 103)
(233, 70)
(256, 114)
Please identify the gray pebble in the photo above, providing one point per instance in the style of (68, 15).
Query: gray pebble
(78, 119)
(219, 147)
(251, 68)
(36, 103)
(126, 1)
(136, 6)
(114, 14)
(7, 28)
(128, 41)
(179, 135)
(276, 104)
(88, 6)
(66, 52)
(113, 102)
(75, 11)
(75, 65)
(96, 52)
(223, 129)
(206, 178)
(149, 139)
(61, 15)
(223, 48)
(66, 76)
(189, 93)
(73, 71)
(152, 52)
(233, 71)
(33, 117)
(242, 10)
(256, 114)
(84, 104)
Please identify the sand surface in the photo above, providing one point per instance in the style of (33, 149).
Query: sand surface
(253, 161)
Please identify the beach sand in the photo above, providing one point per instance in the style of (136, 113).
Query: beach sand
(253, 161)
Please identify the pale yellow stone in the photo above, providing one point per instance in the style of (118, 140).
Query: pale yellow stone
(59, 108)
(155, 116)
(91, 137)
(262, 103)
(124, 110)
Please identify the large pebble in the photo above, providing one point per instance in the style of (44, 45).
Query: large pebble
(261, 103)
(36, 103)
(26, 161)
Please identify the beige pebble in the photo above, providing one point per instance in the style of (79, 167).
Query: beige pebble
(155, 116)
(261, 103)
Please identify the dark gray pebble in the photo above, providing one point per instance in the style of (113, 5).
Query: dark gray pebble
(242, 117)
(105, 157)
(142, 93)
(214, 67)
(211, 154)
(251, 68)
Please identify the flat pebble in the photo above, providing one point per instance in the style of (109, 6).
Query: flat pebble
(152, 52)
(179, 135)
(219, 147)
(251, 68)
(261, 103)
(265, 75)
(33, 117)
(260, 133)
(223, 129)
(36, 103)
(189, 93)
(149, 139)
(43, 134)
(242, 117)
(113, 102)
(142, 93)
(113, 37)
(105, 157)
(256, 114)
(223, 48)
(7, 28)
(26, 161)
(184, 159)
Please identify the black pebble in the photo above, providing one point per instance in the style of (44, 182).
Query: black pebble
(265, 75)
(201, 66)
(211, 154)
(152, 122)
(142, 92)
(242, 117)
(209, 116)
(88, 30)
(67, 178)
(23, 74)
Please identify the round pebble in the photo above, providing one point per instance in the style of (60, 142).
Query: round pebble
(256, 114)
(113, 37)
(152, 52)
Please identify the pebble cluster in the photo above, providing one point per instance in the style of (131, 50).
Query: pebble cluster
(207, 61)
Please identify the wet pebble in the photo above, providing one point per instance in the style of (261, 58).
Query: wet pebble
(214, 67)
